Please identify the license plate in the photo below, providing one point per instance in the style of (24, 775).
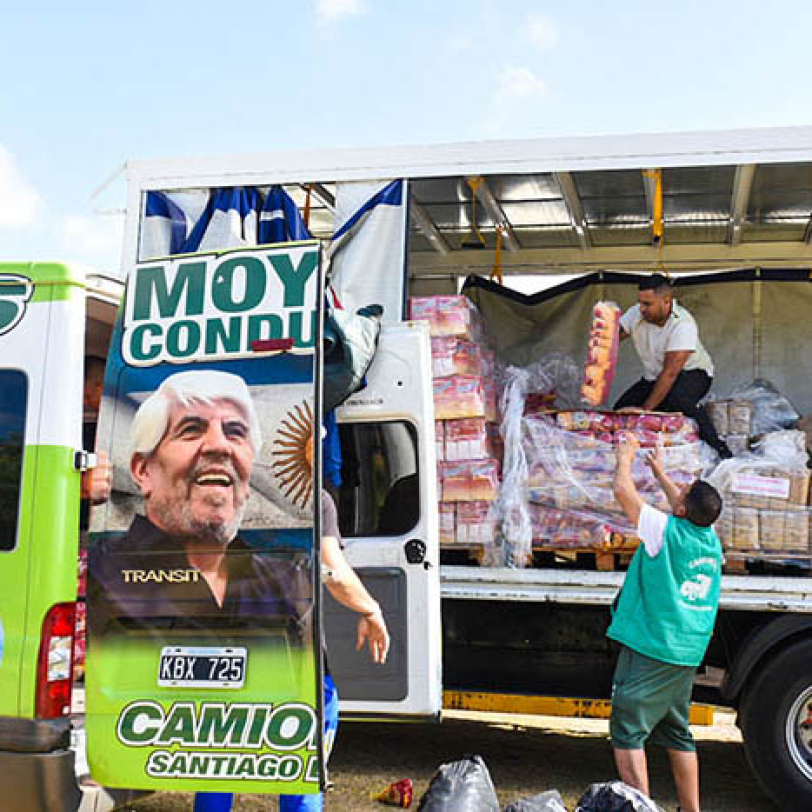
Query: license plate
(202, 667)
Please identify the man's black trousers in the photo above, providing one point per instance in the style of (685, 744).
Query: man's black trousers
(688, 389)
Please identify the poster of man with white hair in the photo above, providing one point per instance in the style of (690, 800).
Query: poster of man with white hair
(203, 651)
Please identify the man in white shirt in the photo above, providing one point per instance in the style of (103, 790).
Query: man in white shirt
(677, 370)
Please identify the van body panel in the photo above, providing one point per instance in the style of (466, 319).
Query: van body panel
(397, 395)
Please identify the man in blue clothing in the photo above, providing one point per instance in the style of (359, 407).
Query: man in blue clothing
(663, 620)
(346, 587)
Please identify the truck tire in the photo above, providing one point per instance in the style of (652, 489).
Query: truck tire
(776, 722)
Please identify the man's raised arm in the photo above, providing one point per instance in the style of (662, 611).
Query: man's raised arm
(624, 488)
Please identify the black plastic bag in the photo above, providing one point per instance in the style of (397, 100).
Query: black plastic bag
(350, 342)
(615, 796)
(550, 801)
(462, 786)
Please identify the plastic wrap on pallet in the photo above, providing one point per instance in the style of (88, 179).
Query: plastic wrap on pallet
(555, 378)
(512, 544)
(771, 411)
(572, 470)
(559, 470)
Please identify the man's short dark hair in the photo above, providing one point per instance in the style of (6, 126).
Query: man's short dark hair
(657, 282)
(702, 504)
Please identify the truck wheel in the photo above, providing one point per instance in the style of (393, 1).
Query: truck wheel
(776, 722)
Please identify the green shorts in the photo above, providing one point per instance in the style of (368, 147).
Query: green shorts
(651, 701)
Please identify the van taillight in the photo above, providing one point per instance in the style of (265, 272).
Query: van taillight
(55, 667)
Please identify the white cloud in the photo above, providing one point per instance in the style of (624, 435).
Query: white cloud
(93, 239)
(540, 31)
(519, 82)
(19, 200)
(328, 11)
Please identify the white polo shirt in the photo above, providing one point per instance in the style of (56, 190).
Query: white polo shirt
(677, 334)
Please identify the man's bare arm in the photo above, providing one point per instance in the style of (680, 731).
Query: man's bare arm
(672, 366)
(624, 488)
(654, 461)
(346, 587)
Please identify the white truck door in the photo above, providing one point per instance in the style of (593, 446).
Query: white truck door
(387, 506)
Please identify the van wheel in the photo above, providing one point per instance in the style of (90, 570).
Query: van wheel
(776, 722)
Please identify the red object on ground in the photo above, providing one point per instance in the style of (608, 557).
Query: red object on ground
(398, 793)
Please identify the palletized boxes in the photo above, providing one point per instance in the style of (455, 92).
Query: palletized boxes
(468, 442)
(733, 421)
(766, 512)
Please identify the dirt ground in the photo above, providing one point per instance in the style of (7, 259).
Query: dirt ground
(525, 755)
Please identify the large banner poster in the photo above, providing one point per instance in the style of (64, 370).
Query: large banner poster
(203, 653)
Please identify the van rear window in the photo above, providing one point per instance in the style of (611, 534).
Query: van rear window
(379, 493)
(13, 397)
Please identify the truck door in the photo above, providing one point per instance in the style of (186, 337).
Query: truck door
(388, 518)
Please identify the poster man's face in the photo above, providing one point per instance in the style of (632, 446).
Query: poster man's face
(196, 481)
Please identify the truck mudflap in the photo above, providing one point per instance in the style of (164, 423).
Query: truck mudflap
(34, 735)
(39, 782)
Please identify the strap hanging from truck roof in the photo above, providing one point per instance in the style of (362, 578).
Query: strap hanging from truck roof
(657, 224)
(306, 213)
(496, 273)
(474, 238)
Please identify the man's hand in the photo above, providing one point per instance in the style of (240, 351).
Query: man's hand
(627, 447)
(97, 482)
(654, 460)
(372, 629)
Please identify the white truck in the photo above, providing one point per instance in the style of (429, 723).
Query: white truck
(737, 216)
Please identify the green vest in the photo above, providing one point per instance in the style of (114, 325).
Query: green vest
(667, 606)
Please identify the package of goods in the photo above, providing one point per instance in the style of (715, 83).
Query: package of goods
(476, 522)
(468, 439)
(439, 440)
(80, 641)
(601, 356)
(448, 316)
(539, 402)
(469, 481)
(495, 441)
(447, 520)
(489, 389)
(458, 356)
(458, 396)
(767, 487)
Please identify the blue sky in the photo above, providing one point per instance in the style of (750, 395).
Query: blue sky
(92, 84)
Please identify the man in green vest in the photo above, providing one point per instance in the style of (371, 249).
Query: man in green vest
(663, 620)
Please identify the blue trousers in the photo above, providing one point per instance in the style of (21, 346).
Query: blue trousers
(221, 801)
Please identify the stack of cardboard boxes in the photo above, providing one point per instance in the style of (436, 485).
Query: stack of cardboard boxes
(464, 369)
(766, 512)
